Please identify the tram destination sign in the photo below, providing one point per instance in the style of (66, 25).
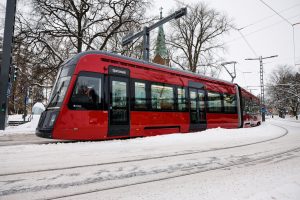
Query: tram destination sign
(118, 71)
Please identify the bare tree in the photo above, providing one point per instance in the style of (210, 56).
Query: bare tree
(284, 90)
(87, 24)
(59, 29)
(195, 37)
(53, 31)
(62, 28)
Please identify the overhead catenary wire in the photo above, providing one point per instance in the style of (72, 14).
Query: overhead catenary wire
(276, 12)
(243, 35)
(256, 22)
(248, 44)
(293, 30)
(267, 17)
(258, 30)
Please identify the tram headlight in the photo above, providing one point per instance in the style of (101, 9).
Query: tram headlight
(52, 119)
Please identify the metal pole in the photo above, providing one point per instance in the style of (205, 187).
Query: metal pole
(146, 32)
(262, 89)
(25, 103)
(6, 59)
(146, 46)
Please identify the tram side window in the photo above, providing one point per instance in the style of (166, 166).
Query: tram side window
(86, 94)
(181, 99)
(256, 108)
(140, 95)
(247, 106)
(214, 102)
(230, 103)
(162, 97)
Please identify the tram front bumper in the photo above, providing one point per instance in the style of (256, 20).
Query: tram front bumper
(46, 123)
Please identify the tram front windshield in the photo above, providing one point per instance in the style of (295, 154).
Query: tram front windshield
(60, 87)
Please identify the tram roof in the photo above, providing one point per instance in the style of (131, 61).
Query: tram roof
(75, 59)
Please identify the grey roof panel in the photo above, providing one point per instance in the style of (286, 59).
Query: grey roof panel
(75, 59)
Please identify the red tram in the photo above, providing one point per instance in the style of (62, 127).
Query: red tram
(251, 109)
(99, 95)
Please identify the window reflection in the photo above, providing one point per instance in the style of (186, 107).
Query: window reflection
(162, 97)
(181, 99)
(201, 101)
(214, 102)
(87, 93)
(119, 94)
(230, 103)
(193, 99)
(140, 95)
(119, 102)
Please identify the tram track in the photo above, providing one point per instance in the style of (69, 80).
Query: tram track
(40, 141)
(116, 181)
(233, 164)
(149, 158)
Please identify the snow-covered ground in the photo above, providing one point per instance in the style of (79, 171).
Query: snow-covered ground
(288, 118)
(253, 163)
(27, 128)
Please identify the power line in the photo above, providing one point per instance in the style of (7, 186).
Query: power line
(265, 27)
(248, 44)
(258, 30)
(265, 18)
(293, 31)
(276, 12)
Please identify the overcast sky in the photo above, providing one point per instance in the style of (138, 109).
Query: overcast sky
(268, 35)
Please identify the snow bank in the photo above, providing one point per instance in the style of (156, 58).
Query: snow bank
(27, 128)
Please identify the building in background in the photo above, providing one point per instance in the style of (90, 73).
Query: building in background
(161, 53)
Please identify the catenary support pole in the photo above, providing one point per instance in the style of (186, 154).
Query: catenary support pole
(262, 88)
(6, 59)
(146, 32)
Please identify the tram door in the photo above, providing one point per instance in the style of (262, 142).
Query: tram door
(197, 109)
(118, 103)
